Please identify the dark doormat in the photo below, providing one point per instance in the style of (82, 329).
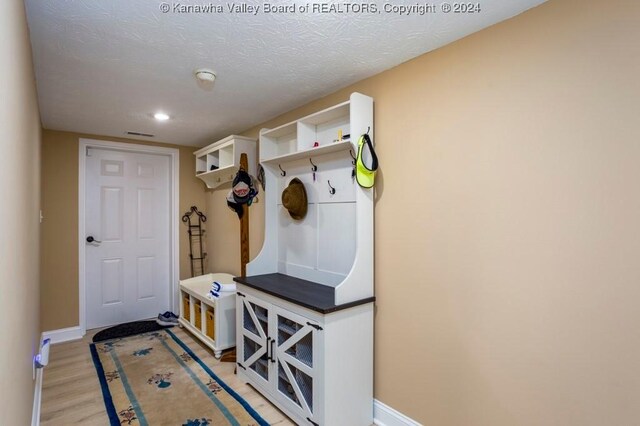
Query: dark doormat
(127, 329)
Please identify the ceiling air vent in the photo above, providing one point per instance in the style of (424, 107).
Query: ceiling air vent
(140, 134)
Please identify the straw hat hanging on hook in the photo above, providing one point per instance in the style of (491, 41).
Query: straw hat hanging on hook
(294, 199)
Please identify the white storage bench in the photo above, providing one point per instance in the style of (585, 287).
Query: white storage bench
(213, 321)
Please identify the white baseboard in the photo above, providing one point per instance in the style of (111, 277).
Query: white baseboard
(37, 398)
(37, 393)
(64, 334)
(383, 415)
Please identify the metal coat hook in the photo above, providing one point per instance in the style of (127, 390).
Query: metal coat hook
(353, 163)
(282, 172)
(314, 169)
(332, 190)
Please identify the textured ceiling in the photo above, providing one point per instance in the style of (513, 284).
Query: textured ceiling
(104, 66)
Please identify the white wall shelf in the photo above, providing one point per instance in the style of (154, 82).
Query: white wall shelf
(322, 128)
(309, 153)
(218, 163)
(279, 142)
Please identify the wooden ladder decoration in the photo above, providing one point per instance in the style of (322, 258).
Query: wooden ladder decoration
(196, 234)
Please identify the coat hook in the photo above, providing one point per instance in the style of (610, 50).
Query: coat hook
(314, 169)
(283, 173)
(353, 163)
(332, 190)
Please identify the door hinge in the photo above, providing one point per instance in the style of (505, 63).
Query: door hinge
(316, 326)
(87, 153)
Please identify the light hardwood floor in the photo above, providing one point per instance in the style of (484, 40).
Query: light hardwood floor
(71, 392)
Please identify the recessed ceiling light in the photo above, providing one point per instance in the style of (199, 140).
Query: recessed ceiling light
(160, 116)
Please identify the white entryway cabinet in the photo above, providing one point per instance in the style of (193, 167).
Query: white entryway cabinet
(317, 368)
(304, 312)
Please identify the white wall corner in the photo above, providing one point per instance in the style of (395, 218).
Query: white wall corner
(383, 415)
(64, 334)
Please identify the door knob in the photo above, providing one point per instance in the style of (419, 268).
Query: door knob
(90, 239)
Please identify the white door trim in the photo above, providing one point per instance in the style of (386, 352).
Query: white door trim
(174, 159)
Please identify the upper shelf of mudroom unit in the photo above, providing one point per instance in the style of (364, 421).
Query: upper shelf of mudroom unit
(218, 162)
(311, 152)
(279, 142)
(319, 133)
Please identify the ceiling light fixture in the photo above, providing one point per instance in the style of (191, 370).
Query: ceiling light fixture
(205, 75)
(160, 116)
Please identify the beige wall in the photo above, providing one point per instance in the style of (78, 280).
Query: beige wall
(223, 244)
(507, 231)
(59, 263)
(19, 223)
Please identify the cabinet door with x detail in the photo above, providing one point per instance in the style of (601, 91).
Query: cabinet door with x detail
(254, 341)
(297, 360)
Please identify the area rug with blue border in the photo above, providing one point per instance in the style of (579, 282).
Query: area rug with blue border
(156, 379)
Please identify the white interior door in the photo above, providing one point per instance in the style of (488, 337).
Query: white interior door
(127, 214)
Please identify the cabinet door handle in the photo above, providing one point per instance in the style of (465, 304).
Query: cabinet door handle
(316, 326)
(273, 355)
(312, 422)
(268, 349)
(240, 294)
(241, 366)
